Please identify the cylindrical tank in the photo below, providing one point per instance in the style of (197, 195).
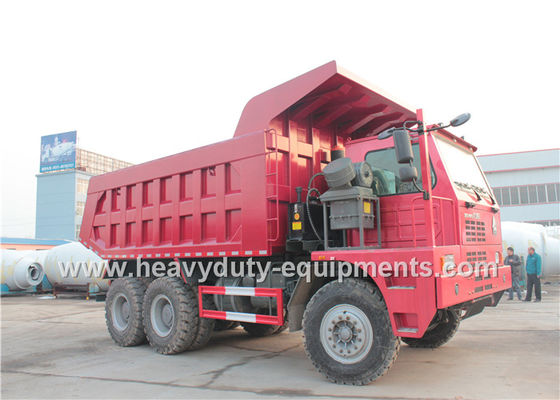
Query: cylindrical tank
(75, 253)
(521, 236)
(68, 264)
(19, 270)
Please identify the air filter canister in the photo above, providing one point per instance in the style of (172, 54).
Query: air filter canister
(339, 173)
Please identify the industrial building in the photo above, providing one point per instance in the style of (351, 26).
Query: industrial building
(526, 185)
(62, 187)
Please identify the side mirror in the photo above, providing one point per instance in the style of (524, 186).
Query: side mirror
(403, 147)
(408, 173)
(460, 120)
(387, 133)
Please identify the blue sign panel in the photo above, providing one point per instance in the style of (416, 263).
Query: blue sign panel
(58, 151)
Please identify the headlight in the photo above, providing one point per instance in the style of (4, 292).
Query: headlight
(447, 263)
(449, 259)
(497, 258)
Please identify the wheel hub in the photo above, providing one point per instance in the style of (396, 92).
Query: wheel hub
(120, 312)
(346, 333)
(162, 315)
(126, 311)
(167, 315)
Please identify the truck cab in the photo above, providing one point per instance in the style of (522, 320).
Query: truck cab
(456, 220)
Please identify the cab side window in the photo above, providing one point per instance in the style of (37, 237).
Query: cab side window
(386, 172)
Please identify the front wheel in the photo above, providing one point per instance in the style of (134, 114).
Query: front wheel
(439, 334)
(348, 334)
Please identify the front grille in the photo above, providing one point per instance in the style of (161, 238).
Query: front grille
(474, 256)
(476, 231)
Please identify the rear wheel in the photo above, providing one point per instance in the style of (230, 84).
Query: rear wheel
(440, 334)
(123, 311)
(170, 315)
(348, 334)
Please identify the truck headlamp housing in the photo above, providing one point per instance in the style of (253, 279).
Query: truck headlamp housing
(447, 263)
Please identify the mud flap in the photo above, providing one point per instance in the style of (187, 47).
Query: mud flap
(478, 305)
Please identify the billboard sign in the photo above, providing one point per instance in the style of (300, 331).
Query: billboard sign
(58, 151)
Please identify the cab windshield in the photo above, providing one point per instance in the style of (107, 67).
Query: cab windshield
(462, 167)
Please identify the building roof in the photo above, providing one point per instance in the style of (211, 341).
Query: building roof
(522, 160)
(46, 242)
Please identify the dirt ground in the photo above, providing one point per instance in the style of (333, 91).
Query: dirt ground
(61, 349)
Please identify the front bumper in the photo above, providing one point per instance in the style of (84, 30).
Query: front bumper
(458, 289)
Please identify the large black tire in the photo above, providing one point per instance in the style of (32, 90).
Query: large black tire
(260, 330)
(170, 315)
(348, 334)
(224, 325)
(123, 311)
(439, 334)
(205, 325)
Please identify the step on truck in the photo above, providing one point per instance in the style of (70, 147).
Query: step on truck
(377, 228)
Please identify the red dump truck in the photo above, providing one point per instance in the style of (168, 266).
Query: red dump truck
(324, 171)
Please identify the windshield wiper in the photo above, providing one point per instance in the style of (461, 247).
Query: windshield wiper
(477, 190)
(487, 193)
(463, 185)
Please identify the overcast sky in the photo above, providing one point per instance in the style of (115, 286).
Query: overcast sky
(141, 80)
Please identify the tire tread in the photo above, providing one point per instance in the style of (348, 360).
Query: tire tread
(356, 286)
(135, 288)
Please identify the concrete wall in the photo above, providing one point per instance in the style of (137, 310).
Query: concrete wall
(523, 177)
(530, 213)
(55, 217)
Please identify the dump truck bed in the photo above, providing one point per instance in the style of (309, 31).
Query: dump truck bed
(209, 201)
(231, 198)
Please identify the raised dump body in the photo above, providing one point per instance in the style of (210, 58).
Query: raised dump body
(231, 198)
